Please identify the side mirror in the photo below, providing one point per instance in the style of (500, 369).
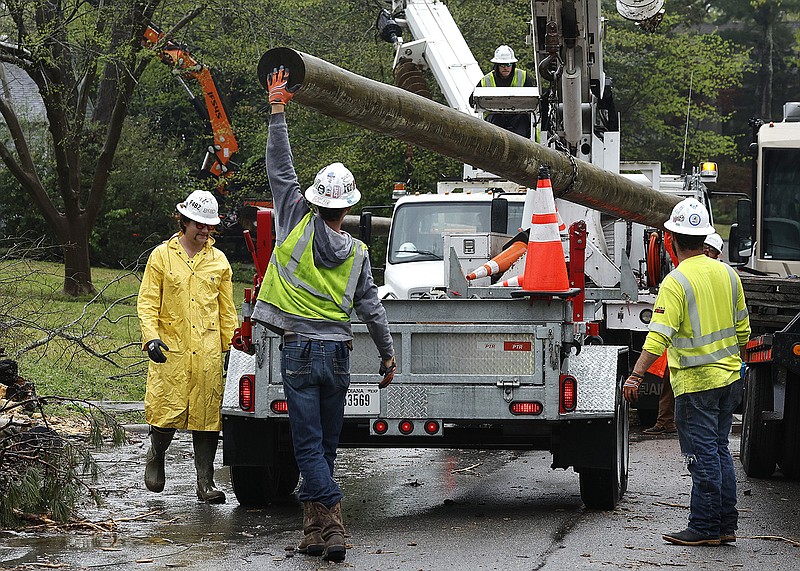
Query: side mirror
(365, 227)
(740, 242)
(734, 246)
(744, 217)
(499, 220)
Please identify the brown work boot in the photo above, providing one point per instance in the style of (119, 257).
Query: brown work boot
(332, 532)
(312, 543)
(659, 429)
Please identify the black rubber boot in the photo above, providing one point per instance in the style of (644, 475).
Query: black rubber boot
(205, 448)
(154, 476)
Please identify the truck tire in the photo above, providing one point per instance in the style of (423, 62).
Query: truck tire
(259, 486)
(602, 488)
(759, 452)
(790, 459)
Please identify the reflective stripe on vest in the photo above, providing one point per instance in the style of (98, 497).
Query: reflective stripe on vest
(698, 343)
(517, 81)
(289, 272)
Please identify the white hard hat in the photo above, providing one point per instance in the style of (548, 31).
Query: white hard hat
(689, 217)
(504, 54)
(715, 241)
(334, 187)
(638, 10)
(200, 206)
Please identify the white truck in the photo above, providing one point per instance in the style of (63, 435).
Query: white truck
(477, 368)
(573, 111)
(766, 242)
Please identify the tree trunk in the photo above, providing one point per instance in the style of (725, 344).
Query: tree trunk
(769, 47)
(77, 268)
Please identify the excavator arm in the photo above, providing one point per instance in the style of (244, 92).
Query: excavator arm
(218, 159)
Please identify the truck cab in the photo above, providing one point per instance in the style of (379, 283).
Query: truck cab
(415, 257)
(766, 236)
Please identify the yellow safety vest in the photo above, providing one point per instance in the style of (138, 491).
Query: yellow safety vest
(701, 311)
(294, 284)
(517, 81)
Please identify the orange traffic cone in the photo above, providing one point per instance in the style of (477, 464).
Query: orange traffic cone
(500, 263)
(545, 268)
(512, 282)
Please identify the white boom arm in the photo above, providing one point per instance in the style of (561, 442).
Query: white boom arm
(439, 46)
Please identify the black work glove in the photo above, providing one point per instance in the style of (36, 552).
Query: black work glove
(154, 351)
(387, 372)
(225, 362)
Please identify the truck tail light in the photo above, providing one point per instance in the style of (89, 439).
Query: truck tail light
(525, 407)
(380, 426)
(247, 394)
(405, 427)
(279, 406)
(432, 426)
(568, 393)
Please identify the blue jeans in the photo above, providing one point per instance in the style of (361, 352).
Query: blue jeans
(316, 375)
(704, 421)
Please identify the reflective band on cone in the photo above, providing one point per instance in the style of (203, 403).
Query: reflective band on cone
(512, 282)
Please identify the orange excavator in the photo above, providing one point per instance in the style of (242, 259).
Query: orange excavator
(218, 159)
(219, 154)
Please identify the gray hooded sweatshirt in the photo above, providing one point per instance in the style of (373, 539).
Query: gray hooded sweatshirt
(330, 248)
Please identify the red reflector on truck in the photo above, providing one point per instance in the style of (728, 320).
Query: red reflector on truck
(279, 406)
(568, 393)
(405, 427)
(525, 407)
(247, 397)
(432, 426)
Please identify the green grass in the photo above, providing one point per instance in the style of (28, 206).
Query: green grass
(32, 307)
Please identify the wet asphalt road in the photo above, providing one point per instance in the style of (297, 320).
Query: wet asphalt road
(414, 510)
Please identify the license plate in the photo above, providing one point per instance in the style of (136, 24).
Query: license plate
(363, 400)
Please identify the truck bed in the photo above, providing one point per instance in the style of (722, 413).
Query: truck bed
(772, 301)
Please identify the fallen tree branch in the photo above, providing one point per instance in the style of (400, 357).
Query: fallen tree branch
(470, 469)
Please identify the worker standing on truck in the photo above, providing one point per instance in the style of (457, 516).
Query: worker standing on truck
(701, 319)
(506, 74)
(188, 317)
(317, 276)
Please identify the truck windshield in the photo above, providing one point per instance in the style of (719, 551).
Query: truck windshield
(418, 229)
(780, 227)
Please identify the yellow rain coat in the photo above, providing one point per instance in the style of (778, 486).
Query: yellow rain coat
(188, 304)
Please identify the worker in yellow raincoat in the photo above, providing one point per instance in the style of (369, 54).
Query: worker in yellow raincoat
(188, 317)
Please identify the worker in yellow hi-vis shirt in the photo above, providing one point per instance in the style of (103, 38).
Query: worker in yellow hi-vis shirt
(700, 318)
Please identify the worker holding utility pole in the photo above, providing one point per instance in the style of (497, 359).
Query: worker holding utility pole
(317, 276)
(701, 319)
(187, 316)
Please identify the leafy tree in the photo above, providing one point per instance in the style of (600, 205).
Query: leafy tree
(653, 74)
(766, 26)
(76, 52)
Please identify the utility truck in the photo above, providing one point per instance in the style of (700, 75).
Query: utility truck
(572, 111)
(477, 366)
(766, 242)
